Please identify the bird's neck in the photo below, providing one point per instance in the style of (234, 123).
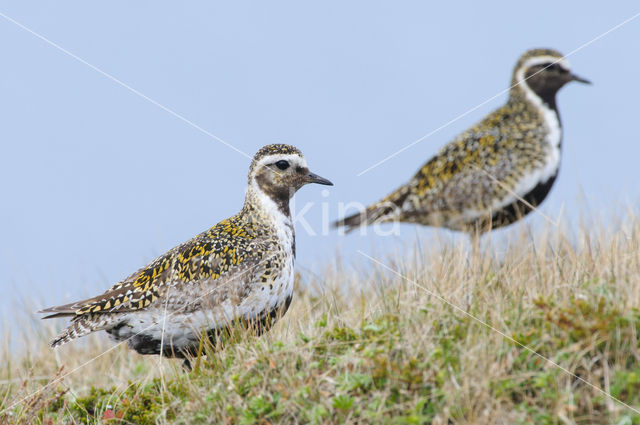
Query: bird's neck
(528, 104)
(535, 96)
(262, 208)
(272, 208)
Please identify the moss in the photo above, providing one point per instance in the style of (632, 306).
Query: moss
(581, 331)
(140, 404)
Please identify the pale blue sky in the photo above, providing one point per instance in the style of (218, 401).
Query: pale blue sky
(97, 181)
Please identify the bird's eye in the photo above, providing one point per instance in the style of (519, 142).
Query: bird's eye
(554, 67)
(282, 164)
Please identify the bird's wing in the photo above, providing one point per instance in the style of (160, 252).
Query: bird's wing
(456, 178)
(215, 255)
(478, 168)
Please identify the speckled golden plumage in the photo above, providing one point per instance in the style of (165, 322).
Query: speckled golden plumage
(209, 255)
(239, 269)
(507, 144)
(496, 171)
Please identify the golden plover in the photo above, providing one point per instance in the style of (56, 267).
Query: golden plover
(495, 172)
(241, 269)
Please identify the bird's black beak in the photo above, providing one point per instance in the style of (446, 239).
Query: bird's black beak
(314, 178)
(579, 79)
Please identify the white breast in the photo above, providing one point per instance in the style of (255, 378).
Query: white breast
(553, 138)
(274, 293)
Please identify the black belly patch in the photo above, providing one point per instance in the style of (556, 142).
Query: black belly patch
(518, 209)
(147, 344)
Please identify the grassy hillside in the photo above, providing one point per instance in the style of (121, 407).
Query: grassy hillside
(439, 333)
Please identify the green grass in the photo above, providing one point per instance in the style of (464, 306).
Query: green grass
(364, 345)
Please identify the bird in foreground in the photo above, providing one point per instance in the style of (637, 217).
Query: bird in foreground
(240, 270)
(497, 171)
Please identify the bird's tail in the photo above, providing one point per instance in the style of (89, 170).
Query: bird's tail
(387, 209)
(79, 326)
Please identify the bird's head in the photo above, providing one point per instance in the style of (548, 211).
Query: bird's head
(280, 170)
(544, 72)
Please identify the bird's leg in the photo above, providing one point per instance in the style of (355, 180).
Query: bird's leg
(186, 365)
(474, 260)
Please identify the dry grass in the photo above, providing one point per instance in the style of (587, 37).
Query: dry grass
(371, 344)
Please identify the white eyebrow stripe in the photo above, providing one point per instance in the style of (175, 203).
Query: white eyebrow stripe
(539, 60)
(292, 158)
